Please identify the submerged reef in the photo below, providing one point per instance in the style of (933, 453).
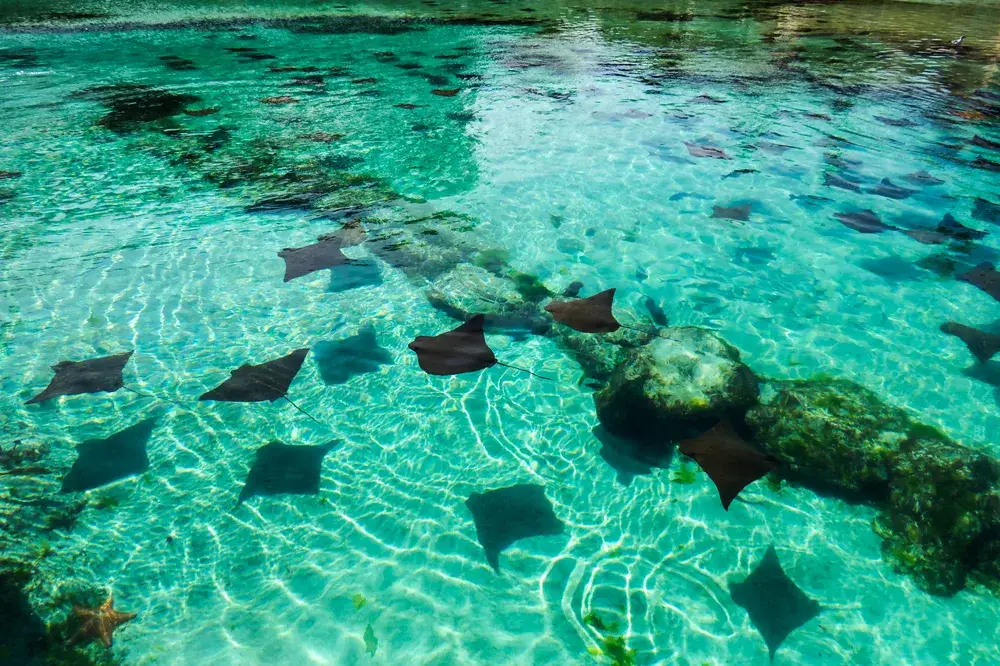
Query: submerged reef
(938, 501)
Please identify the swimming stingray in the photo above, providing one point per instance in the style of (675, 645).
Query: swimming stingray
(775, 604)
(101, 461)
(886, 188)
(834, 180)
(284, 469)
(983, 163)
(741, 213)
(952, 228)
(986, 211)
(706, 151)
(256, 383)
(983, 345)
(984, 276)
(587, 315)
(864, 221)
(896, 122)
(923, 178)
(984, 143)
(507, 515)
(731, 463)
(96, 375)
(325, 253)
(339, 360)
(458, 351)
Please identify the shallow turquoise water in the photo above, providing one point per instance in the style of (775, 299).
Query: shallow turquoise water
(568, 152)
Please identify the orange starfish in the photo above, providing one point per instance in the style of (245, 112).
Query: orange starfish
(99, 622)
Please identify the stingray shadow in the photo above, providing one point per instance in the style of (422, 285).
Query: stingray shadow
(630, 457)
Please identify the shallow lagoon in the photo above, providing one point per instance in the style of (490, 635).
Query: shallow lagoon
(564, 147)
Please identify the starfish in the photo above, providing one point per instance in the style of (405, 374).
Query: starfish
(99, 622)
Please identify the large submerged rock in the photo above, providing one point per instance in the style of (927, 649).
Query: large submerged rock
(939, 501)
(676, 386)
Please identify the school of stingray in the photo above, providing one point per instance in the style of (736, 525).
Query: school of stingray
(775, 605)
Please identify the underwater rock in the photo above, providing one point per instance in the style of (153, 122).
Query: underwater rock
(939, 502)
(676, 387)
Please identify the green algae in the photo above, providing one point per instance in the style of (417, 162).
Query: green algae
(371, 643)
(616, 649)
(530, 287)
(685, 474)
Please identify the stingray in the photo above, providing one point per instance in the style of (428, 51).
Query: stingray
(886, 188)
(926, 236)
(458, 351)
(446, 92)
(775, 604)
(983, 163)
(339, 360)
(280, 469)
(706, 99)
(268, 381)
(923, 178)
(984, 276)
(773, 148)
(732, 212)
(96, 375)
(834, 180)
(952, 228)
(864, 221)
(101, 461)
(986, 211)
(587, 315)
(984, 143)
(739, 172)
(507, 515)
(896, 122)
(706, 151)
(731, 463)
(983, 345)
(323, 254)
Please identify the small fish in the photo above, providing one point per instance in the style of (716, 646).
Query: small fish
(886, 188)
(706, 151)
(922, 178)
(864, 221)
(834, 180)
(280, 99)
(896, 122)
(984, 143)
(741, 213)
(573, 290)
(640, 274)
(739, 172)
(451, 92)
(656, 312)
(983, 163)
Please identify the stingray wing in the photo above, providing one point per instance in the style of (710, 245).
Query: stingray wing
(257, 383)
(300, 261)
(587, 315)
(96, 375)
(458, 351)
(731, 463)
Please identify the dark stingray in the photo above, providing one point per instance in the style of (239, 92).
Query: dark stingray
(731, 463)
(323, 254)
(886, 188)
(984, 143)
(983, 163)
(507, 515)
(809, 201)
(773, 148)
(268, 381)
(732, 212)
(280, 469)
(986, 211)
(96, 375)
(922, 178)
(706, 151)
(983, 345)
(864, 221)
(952, 228)
(896, 122)
(835, 180)
(101, 461)
(587, 315)
(457, 351)
(339, 360)
(739, 172)
(775, 604)
(984, 276)
(926, 236)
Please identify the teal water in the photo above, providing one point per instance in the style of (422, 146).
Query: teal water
(564, 147)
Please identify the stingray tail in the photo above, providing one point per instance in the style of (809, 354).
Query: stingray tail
(514, 367)
(304, 411)
(156, 397)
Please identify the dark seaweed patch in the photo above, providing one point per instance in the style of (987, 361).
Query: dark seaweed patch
(131, 104)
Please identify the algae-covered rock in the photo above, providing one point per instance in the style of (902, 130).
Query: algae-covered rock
(677, 386)
(939, 501)
(599, 355)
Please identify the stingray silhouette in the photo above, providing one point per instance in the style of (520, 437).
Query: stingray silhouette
(339, 360)
(324, 253)
(510, 514)
(731, 463)
(285, 469)
(984, 276)
(267, 381)
(983, 345)
(96, 375)
(587, 315)
(775, 604)
(102, 461)
(458, 351)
